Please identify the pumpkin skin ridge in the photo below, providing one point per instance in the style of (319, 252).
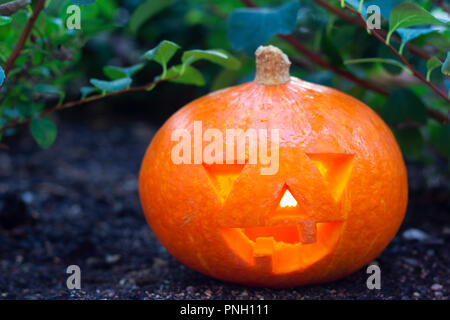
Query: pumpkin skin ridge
(311, 110)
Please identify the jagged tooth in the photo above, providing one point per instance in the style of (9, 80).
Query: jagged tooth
(307, 231)
(263, 253)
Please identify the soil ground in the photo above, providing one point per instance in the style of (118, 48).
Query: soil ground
(77, 203)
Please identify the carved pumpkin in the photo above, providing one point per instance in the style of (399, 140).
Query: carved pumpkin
(336, 201)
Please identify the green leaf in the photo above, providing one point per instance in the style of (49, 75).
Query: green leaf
(5, 20)
(187, 75)
(410, 141)
(110, 86)
(446, 66)
(115, 73)
(403, 105)
(407, 15)
(85, 91)
(220, 57)
(410, 34)
(381, 60)
(2, 76)
(50, 89)
(432, 64)
(249, 28)
(147, 10)
(44, 131)
(162, 53)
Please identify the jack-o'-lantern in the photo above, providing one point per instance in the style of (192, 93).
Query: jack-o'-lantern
(333, 199)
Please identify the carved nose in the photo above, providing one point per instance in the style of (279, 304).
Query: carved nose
(288, 200)
(290, 212)
(289, 208)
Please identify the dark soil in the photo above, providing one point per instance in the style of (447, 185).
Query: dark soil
(77, 203)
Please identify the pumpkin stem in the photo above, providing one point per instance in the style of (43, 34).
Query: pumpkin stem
(272, 66)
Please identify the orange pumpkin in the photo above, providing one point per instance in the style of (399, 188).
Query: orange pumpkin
(335, 202)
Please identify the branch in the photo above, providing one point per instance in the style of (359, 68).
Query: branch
(23, 37)
(317, 59)
(416, 73)
(354, 20)
(12, 7)
(72, 104)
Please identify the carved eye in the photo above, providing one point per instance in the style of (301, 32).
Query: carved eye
(222, 177)
(335, 168)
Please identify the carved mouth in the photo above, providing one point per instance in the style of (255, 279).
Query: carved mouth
(283, 249)
(292, 242)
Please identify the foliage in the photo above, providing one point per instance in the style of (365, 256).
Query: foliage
(400, 71)
(40, 69)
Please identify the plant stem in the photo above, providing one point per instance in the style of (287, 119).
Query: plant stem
(9, 8)
(72, 104)
(317, 59)
(354, 20)
(24, 36)
(416, 73)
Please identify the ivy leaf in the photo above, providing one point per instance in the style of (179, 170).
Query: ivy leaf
(110, 86)
(432, 64)
(50, 89)
(115, 73)
(147, 10)
(410, 34)
(2, 76)
(187, 75)
(446, 66)
(407, 15)
(251, 27)
(85, 91)
(5, 20)
(44, 131)
(381, 60)
(220, 57)
(403, 105)
(410, 141)
(162, 53)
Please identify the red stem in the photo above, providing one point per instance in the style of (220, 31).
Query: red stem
(24, 36)
(402, 59)
(342, 14)
(317, 59)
